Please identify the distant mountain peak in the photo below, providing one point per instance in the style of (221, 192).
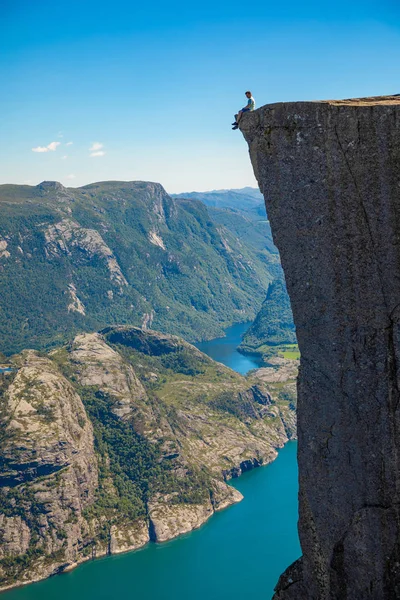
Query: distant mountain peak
(115, 185)
(51, 186)
(237, 199)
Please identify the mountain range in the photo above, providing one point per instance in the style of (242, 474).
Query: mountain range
(80, 259)
(245, 199)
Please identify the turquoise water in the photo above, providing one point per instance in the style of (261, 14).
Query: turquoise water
(224, 349)
(237, 555)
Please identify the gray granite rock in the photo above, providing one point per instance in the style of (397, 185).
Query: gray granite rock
(330, 175)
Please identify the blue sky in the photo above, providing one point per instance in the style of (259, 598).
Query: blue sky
(129, 90)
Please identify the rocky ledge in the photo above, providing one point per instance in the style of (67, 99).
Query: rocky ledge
(329, 172)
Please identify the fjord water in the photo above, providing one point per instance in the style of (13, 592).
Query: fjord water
(237, 555)
(224, 349)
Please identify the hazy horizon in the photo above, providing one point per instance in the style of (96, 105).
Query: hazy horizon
(188, 191)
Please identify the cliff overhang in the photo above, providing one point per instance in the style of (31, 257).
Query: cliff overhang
(329, 172)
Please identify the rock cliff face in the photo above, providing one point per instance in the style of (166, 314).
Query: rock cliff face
(48, 471)
(329, 172)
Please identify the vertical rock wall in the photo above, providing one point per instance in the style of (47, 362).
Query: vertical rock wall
(330, 175)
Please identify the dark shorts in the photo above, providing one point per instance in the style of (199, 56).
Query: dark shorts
(242, 110)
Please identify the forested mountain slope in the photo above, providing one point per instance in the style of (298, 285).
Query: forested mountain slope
(274, 324)
(249, 199)
(243, 212)
(124, 252)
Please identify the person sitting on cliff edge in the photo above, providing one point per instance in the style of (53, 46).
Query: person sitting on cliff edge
(248, 108)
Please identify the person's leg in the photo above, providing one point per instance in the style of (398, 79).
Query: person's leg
(241, 113)
(238, 117)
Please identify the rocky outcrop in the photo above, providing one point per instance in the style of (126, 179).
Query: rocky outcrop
(96, 364)
(48, 471)
(4, 253)
(56, 191)
(66, 235)
(279, 370)
(75, 305)
(15, 536)
(131, 537)
(170, 520)
(329, 172)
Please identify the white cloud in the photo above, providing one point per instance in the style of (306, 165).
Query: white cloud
(50, 148)
(53, 146)
(71, 176)
(96, 149)
(64, 157)
(96, 146)
(69, 143)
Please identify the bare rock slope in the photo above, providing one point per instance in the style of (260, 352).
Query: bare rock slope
(329, 172)
(48, 471)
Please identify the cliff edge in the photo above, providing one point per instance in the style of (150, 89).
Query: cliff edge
(330, 175)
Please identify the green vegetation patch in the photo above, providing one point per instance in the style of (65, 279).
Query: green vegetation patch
(132, 469)
(132, 463)
(273, 325)
(290, 354)
(234, 404)
(184, 362)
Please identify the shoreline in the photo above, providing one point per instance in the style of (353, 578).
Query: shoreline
(103, 555)
(171, 521)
